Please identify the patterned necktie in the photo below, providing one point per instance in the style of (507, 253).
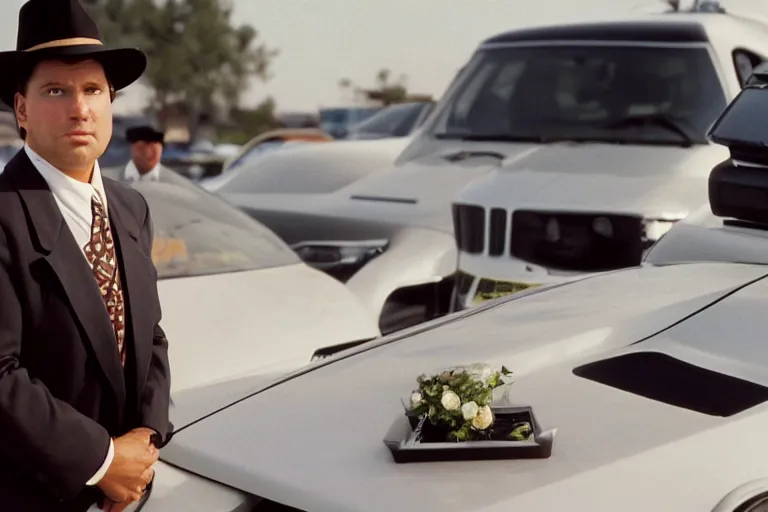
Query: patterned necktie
(100, 251)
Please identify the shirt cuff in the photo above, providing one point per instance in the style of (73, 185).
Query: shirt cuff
(95, 479)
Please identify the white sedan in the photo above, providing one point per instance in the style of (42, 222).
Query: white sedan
(655, 379)
(236, 299)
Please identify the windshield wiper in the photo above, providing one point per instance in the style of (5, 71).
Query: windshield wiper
(496, 137)
(665, 121)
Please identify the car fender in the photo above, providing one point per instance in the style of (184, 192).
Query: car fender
(704, 237)
(415, 256)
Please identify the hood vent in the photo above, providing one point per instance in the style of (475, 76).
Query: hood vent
(385, 199)
(663, 378)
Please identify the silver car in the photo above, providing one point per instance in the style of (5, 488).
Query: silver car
(236, 299)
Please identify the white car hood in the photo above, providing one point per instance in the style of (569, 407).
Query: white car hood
(621, 179)
(646, 179)
(315, 442)
(257, 322)
(315, 168)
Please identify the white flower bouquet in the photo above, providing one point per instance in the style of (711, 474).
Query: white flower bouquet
(457, 403)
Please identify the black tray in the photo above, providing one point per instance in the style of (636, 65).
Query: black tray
(404, 440)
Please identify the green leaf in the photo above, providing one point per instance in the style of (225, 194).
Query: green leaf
(520, 432)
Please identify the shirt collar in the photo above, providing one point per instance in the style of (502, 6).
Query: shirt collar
(66, 189)
(133, 174)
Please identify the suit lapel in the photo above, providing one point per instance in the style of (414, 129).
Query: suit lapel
(135, 271)
(58, 248)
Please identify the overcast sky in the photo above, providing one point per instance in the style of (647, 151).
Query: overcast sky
(427, 40)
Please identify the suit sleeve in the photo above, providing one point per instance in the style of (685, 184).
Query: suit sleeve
(155, 400)
(40, 435)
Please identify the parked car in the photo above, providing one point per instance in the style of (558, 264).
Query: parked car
(398, 120)
(495, 122)
(273, 139)
(555, 215)
(236, 299)
(651, 381)
(309, 169)
(338, 121)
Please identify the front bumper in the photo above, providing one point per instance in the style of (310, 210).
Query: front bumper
(480, 279)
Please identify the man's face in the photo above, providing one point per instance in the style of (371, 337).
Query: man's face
(146, 155)
(67, 113)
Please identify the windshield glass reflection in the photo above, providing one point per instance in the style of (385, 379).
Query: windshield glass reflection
(197, 233)
(632, 94)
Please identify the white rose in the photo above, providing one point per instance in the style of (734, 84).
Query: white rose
(416, 398)
(484, 418)
(481, 371)
(469, 410)
(450, 401)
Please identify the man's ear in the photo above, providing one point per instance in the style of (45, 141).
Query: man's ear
(20, 109)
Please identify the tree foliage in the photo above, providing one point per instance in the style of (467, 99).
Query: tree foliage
(385, 92)
(197, 56)
(250, 122)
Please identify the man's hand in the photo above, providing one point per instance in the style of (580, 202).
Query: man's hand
(131, 469)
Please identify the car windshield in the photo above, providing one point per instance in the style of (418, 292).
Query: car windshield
(334, 120)
(623, 94)
(393, 121)
(198, 233)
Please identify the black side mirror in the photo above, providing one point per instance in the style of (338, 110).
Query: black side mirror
(743, 126)
(738, 187)
(739, 192)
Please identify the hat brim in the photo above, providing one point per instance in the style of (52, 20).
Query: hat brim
(154, 137)
(122, 66)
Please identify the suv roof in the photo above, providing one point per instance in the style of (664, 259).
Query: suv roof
(674, 28)
(646, 31)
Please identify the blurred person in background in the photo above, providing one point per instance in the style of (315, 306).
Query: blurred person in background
(146, 153)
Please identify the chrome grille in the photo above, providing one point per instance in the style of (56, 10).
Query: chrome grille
(469, 227)
(497, 232)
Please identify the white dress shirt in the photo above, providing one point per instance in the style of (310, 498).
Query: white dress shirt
(132, 173)
(74, 200)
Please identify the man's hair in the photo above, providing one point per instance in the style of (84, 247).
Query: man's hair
(25, 74)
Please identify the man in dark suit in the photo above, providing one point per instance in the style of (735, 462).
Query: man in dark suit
(84, 373)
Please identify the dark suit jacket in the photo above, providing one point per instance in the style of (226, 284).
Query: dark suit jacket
(63, 393)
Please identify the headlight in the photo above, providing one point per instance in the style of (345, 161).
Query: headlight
(340, 259)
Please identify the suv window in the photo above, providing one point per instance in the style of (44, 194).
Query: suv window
(578, 92)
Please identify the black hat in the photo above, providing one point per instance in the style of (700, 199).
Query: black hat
(55, 29)
(144, 133)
